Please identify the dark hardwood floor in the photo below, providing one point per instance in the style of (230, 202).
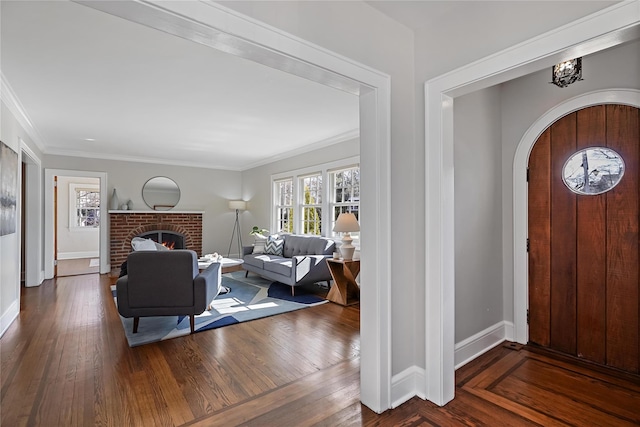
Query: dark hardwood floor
(66, 362)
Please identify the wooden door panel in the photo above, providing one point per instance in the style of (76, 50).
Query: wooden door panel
(563, 239)
(622, 243)
(584, 250)
(591, 252)
(540, 240)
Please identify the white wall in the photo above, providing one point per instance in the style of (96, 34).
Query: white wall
(10, 133)
(478, 212)
(201, 189)
(74, 242)
(526, 99)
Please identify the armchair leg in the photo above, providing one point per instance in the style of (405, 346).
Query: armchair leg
(246, 274)
(136, 321)
(192, 321)
(293, 291)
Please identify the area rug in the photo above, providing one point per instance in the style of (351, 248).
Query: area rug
(248, 299)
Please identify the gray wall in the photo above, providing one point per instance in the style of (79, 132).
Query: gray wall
(201, 189)
(10, 132)
(526, 99)
(478, 212)
(362, 33)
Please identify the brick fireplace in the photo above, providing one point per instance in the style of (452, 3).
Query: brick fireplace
(125, 225)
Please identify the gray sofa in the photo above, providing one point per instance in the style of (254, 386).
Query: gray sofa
(303, 261)
(166, 283)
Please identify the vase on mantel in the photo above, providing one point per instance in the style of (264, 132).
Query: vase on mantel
(114, 203)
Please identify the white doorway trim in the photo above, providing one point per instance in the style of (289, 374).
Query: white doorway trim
(49, 223)
(602, 30)
(520, 205)
(221, 28)
(34, 273)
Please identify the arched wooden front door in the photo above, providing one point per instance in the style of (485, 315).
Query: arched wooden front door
(584, 249)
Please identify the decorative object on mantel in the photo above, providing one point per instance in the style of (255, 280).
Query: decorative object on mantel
(346, 223)
(237, 205)
(161, 193)
(567, 72)
(129, 204)
(114, 203)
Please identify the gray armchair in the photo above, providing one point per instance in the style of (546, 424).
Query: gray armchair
(166, 283)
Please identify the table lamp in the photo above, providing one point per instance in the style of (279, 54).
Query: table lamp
(346, 223)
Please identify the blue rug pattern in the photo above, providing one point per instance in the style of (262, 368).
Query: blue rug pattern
(249, 299)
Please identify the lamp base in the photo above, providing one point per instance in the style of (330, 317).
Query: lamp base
(347, 249)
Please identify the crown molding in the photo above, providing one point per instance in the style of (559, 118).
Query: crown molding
(346, 136)
(9, 97)
(354, 133)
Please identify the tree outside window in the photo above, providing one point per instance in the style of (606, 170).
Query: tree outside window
(345, 197)
(284, 205)
(312, 205)
(86, 210)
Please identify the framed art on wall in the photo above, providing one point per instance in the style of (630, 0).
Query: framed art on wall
(8, 189)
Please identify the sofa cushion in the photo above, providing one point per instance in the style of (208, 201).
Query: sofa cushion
(307, 245)
(274, 246)
(279, 266)
(256, 260)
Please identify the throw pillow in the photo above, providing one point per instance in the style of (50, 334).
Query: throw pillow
(258, 245)
(274, 246)
(139, 244)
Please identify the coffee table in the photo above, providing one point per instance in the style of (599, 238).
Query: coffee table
(228, 264)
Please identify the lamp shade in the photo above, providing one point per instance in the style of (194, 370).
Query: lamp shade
(237, 204)
(346, 222)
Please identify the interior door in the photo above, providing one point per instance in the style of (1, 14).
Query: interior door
(584, 249)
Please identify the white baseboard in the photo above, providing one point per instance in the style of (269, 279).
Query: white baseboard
(483, 341)
(9, 316)
(407, 384)
(76, 255)
(412, 381)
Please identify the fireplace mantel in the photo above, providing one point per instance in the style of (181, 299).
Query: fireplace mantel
(153, 212)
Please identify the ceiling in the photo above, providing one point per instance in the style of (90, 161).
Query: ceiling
(99, 86)
(95, 85)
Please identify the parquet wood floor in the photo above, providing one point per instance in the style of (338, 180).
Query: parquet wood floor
(65, 362)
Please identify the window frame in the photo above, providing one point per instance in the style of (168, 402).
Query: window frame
(74, 188)
(325, 170)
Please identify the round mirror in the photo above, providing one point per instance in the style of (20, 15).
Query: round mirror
(161, 193)
(594, 170)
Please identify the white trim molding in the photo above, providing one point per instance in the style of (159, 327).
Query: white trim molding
(15, 106)
(78, 255)
(218, 27)
(602, 30)
(49, 218)
(520, 206)
(9, 316)
(480, 343)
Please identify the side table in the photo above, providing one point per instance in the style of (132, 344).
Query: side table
(345, 290)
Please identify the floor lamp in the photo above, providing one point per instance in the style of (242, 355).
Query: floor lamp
(237, 205)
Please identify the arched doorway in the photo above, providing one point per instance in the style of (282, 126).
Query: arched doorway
(584, 248)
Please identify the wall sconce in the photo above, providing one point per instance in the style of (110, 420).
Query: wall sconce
(567, 72)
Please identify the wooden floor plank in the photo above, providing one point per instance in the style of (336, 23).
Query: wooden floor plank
(65, 361)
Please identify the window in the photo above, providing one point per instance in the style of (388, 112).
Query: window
(84, 206)
(308, 201)
(311, 203)
(284, 205)
(345, 193)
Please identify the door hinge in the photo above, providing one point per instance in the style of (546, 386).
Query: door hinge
(527, 316)
(528, 245)
(55, 262)
(527, 174)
